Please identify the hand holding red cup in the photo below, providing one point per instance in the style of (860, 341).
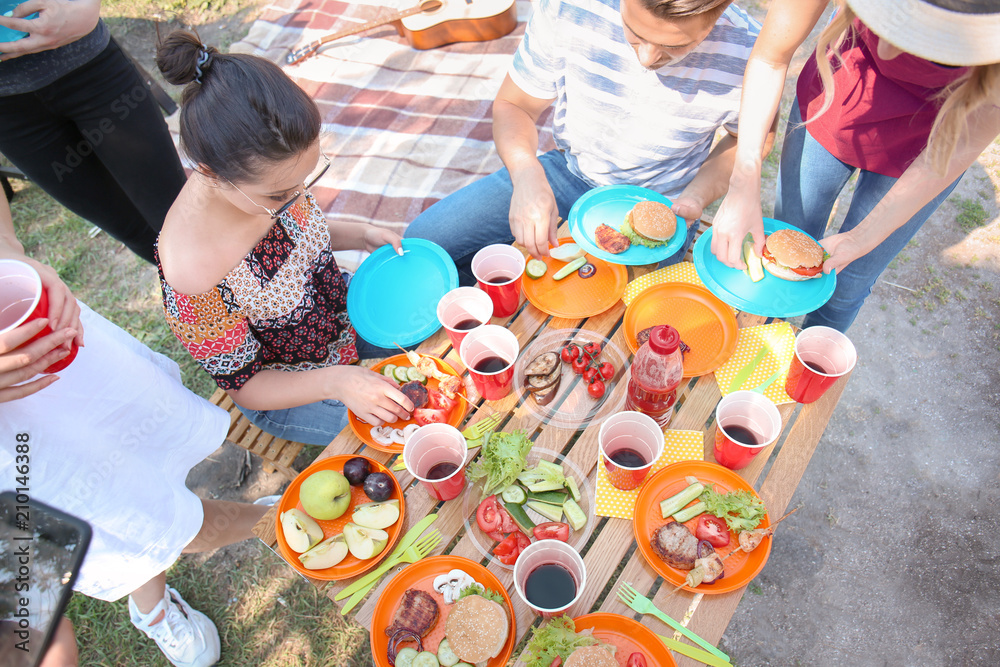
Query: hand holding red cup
(24, 298)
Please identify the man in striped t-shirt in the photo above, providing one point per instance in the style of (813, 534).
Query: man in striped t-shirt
(640, 88)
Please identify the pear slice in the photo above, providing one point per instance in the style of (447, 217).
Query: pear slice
(376, 515)
(326, 554)
(300, 530)
(365, 543)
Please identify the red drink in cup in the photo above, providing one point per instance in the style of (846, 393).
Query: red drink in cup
(549, 577)
(489, 352)
(23, 298)
(461, 310)
(822, 356)
(498, 268)
(435, 454)
(630, 443)
(746, 422)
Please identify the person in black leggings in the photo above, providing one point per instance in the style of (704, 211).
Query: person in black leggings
(78, 120)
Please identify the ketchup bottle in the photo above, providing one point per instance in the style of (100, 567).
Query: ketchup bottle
(656, 373)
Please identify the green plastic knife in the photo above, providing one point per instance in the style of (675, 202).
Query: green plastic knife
(744, 373)
(692, 652)
(404, 544)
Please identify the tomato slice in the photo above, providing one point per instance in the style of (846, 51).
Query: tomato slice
(487, 516)
(808, 271)
(523, 541)
(438, 401)
(713, 529)
(425, 416)
(556, 662)
(636, 660)
(507, 524)
(507, 551)
(553, 530)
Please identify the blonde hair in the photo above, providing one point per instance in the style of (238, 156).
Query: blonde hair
(980, 86)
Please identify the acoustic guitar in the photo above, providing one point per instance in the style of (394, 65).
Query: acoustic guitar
(434, 23)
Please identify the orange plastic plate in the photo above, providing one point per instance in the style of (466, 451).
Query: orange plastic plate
(628, 636)
(575, 297)
(421, 576)
(364, 431)
(350, 566)
(740, 568)
(705, 323)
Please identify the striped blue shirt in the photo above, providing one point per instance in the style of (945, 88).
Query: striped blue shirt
(616, 121)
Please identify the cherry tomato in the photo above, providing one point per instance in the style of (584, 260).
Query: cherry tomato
(713, 529)
(596, 389)
(636, 660)
(569, 353)
(580, 364)
(507, 551)
(553, 530)
(425, 416)
(487, 516)
(607, 370)
(593, 348)
(590, 375)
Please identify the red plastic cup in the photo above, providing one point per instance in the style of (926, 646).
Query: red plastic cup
(633, 431)
(461, 305)
(745, 423)
(498, 268)
(433, 445)
(23, 298)
(822, 356)
(492, 349)
(549, 552)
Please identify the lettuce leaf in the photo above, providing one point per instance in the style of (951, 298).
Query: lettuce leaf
(741, 510)
(557, 639)
(501, 458)
(488, 593)
(627, 230)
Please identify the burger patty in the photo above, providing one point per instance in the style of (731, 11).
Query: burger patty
(416, 392)
(675, 545)
(611, 240)
(417, 612)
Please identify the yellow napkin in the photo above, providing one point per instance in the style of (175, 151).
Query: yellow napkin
(677, 446)
(682, 272)
(779, 336)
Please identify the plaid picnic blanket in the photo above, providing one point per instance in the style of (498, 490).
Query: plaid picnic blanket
(404, 128)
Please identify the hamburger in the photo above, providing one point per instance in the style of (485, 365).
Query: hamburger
(591, 656)
(792, 255)
(477, 629)
(650, 223)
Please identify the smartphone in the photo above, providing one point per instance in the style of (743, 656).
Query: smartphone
(41, 550)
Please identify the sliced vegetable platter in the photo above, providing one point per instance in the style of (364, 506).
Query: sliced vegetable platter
(421, 576)
(740, 567)
(550, 491)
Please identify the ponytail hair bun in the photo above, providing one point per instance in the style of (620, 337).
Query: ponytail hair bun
(183, 59)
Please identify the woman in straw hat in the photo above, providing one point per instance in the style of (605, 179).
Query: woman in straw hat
(903, 92)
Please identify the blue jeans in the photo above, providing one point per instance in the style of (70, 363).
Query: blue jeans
(810, 179)
(315, 423)
(479, 214)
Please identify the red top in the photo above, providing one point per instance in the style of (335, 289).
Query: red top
(882, 110)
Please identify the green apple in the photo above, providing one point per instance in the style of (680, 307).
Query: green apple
(301, 532)
(376, 515)
(365, 543)
(325, 495)
(326, 554)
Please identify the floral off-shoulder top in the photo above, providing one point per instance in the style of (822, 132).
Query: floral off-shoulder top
(283, 307)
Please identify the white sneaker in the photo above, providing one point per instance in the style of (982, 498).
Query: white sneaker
(186, 636)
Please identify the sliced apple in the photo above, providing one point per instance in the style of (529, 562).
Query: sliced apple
(300, 530)
(365, 543)
(326, 554)
(376, 515)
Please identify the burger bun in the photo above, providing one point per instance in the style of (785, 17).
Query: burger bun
(789, 248)
(653, 221)
(477, 629)
(591, 656)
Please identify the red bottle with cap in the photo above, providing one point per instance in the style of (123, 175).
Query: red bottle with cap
(657, 371)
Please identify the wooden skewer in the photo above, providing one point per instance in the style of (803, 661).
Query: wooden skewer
(407, 352)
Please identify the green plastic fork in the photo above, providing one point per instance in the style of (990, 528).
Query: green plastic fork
(472, 434)
(640, 603)
(420, 549)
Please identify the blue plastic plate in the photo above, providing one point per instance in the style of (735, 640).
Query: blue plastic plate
(608, 206)
(393, 300)
(772, 296)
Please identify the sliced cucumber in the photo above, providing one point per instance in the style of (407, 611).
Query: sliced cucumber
(405, 656)
(550, 512)
(520, 517)
(400, 373)
(425, 659)
(388, 369)
(514, 494)
(538, 487)
(413, 374)
(569, 268)
(574, 490)
(549, 497)
(755, 268)
(574, 514)
(536, 268)
(445, 655)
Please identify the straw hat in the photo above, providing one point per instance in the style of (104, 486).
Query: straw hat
(950, 32)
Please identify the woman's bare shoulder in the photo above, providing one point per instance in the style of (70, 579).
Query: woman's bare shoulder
(194, 257)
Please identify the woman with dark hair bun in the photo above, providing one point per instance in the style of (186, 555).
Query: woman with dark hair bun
(250, 284)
